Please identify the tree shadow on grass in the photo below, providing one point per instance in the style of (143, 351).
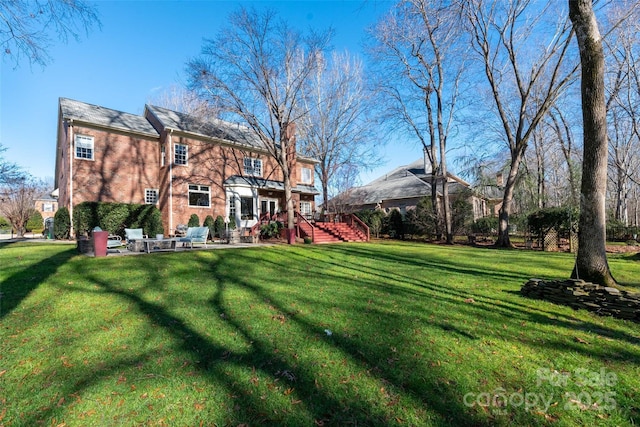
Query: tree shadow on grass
(28, 276)
(316, 403)
(402, 375)
(510, 308)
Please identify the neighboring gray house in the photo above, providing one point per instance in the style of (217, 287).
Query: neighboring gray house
(402, 189)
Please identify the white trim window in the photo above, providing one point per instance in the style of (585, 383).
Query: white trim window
(199, 196)
(252, 167)
(246, 208)
(305, 209)
(84, 147)
(151, 196)
(306, 175)
(180, 154)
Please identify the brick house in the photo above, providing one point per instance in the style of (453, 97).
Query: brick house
(183, 164)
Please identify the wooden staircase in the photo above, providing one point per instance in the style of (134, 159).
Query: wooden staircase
(339, 232)
(332, 232)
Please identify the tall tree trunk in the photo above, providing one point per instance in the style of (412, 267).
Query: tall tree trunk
(591, 260)
(504, 241)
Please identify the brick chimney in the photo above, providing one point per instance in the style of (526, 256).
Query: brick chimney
(427, 162)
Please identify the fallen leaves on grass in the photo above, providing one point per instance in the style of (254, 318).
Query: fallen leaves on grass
(580, 340)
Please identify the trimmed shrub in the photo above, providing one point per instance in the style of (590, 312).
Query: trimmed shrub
(211, 224)
(35, 223)
(485, 226)
(194, 221)
(219, 226)
(149, 218)
(115, 217)
(61, 223)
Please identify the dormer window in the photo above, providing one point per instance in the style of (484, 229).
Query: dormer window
(252, 167)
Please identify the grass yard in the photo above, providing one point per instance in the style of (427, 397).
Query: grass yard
(354, 334)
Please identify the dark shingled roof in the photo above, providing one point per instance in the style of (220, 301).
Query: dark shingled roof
(106, 117)
(405, 182)
(211, 128)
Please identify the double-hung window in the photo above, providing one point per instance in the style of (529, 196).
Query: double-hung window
(199, 195)
(306, 175)
(84, 147)
(180, 154)
(150, 196)
(252, 167)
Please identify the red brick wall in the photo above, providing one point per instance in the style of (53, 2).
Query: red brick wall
(123, 166)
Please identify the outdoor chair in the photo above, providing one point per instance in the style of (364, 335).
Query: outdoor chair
(132, 235)
(195, 235)
(114, 242)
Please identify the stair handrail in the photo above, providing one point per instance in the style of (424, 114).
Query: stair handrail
(300, 218)
(255, 230)
(352, 218)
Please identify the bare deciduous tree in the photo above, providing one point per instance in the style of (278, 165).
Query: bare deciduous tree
(336, 130)
(524, 58)
(623, 101)
(17, 201)
(27, 26)
(416, 47)
(178, 98)
(256, 70)
(591, 259)
(9, 171)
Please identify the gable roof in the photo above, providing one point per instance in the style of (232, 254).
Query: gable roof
(105, 117)
(397, 184)
(405, 182)
(210, 128)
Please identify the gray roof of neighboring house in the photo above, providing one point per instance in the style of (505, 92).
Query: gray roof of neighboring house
(211, 128)
(397, 184)
(106, 117)
(405, 182)
(268, 184)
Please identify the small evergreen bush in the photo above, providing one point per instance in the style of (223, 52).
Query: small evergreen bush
(194, 221)
(35, 223)
(271, 230)
(61, 223)
(219, 226)
(211, 224)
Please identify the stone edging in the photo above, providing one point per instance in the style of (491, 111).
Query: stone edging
(605, 301)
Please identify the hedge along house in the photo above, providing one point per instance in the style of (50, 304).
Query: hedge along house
(183, 164)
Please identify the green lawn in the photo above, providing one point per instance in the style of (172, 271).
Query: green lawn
(354, 334)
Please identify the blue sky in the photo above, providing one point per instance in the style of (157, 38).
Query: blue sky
(141, 51)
